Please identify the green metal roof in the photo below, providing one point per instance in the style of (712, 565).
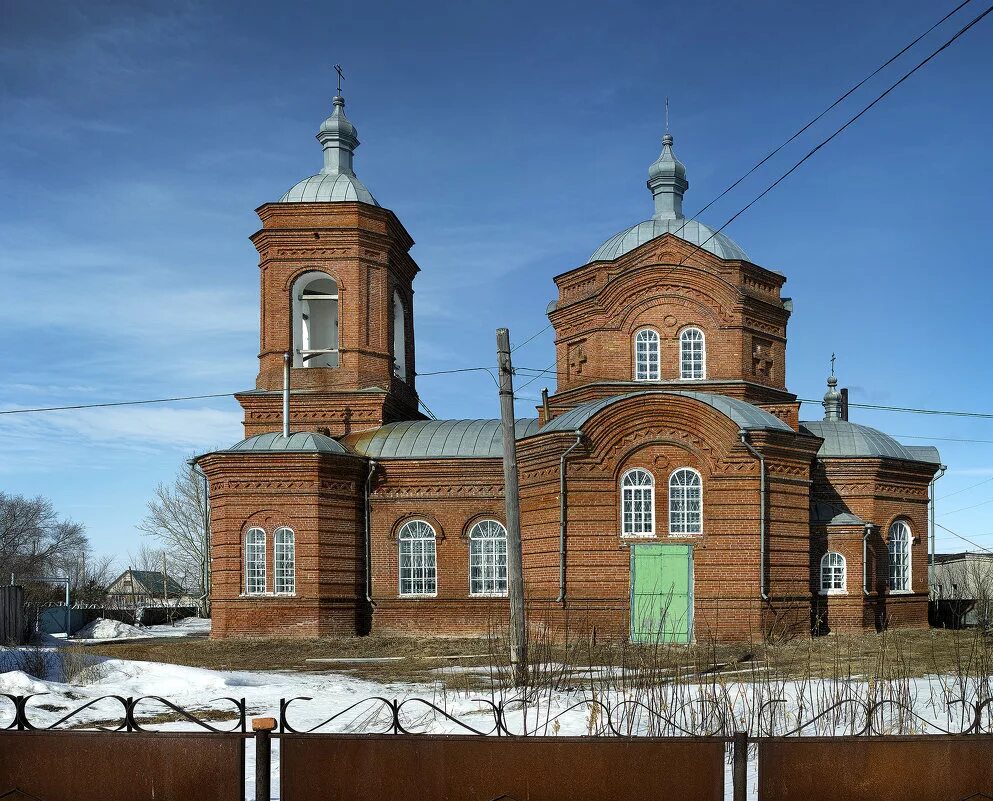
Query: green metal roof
(438, 439)
(299, 442)
(844, 439)
(744, 415)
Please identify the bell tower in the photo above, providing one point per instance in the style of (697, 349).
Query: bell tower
(337, 294)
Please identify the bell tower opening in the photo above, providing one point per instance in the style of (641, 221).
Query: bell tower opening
(314, 306)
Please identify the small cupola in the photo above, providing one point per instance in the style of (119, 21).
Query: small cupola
(667, 180)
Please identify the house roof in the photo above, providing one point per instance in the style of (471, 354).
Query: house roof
(744, 415)
(438, 439)
(151, 582)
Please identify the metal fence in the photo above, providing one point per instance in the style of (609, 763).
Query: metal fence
(125, 760)
(13, 626)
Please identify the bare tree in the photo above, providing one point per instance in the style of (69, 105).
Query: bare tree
(34, 540)
(179, 519)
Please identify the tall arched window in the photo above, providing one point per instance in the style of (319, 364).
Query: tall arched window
(284, 561)
(399, 338)
(685, 502)
(692, 354)
(418, 567)
(834, 576)
(646, 355)
(315, 320)
(255, 561)
(488, 558)
(898, 545)
(637, 503)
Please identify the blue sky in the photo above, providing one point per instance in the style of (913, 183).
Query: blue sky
(511, 139)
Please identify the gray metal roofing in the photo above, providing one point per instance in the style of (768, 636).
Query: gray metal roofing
(329, 188)
(691, 231)
(431, 439)
(299, 442)
(843, 438)
(743, 414)
(833, 514)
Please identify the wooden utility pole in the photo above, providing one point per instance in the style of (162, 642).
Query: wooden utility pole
(515, 558)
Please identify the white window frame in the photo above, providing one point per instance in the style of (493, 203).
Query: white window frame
(835, 571)
(645, 368)
(635, 490)
(419, 539)
(488, 557)
(679, 492)
(284, 576)
(686, 343)
(899, 581)
(255, 561)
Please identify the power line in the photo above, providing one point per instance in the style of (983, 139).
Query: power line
(115, 403)
(945, 439)
(980, 415)
(966, 489)
(964, 508)
(530, 338)
(964, 539)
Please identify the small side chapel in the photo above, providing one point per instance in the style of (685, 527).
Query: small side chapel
(669, 488)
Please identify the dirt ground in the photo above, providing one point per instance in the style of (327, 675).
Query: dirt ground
(469, 662)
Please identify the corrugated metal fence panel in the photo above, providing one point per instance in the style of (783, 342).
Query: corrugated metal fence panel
(919, 768)
(13, 629)
(451, 768)
(127, 766)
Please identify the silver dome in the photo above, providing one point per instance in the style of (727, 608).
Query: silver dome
(691, 231)
(322, 188)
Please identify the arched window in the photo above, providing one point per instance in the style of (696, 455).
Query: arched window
(834, 576)
(399, 338)
(254, 561)
(284, 561)
(488, 558)
(418, 569)
(637, 503)
(646, 355)
(898, 545)
(315, 320)
(692, 354)
(685, 502)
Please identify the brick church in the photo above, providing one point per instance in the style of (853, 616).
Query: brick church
(668, 486)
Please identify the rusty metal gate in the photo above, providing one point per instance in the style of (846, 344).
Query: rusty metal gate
(883, 768)
(122, 766)
(469, 768)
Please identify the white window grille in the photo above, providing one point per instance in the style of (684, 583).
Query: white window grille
(315, 320)
(692, 354)
(284, 561)
(255, 561)
(898, 546)
(685, 502)
(646, 355)
(418, 566)
(488, 558)
(637, 503)
(833, 573)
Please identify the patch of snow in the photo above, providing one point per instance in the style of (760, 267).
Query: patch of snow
(104, 629)
(186, 627)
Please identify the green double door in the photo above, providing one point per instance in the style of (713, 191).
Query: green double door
(661, 593)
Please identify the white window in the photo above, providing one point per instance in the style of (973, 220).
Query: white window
(685, 502)
(399, 338)
(898, 546)
(637, 503)
(692, 354)
(418, 569)
(284, 561)
(315, 320)
(488, 558)
(255, 561)
(833, 573)
(646, 355)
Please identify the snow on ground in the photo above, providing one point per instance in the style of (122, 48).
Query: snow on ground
(104, 629)
(555, 712)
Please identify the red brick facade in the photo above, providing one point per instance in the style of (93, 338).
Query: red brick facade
(347, 508)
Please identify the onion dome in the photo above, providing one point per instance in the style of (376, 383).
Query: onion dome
(336, 182)
(668, 183)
